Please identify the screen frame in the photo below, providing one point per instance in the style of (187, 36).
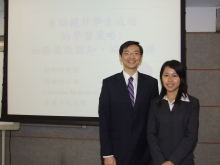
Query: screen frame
(62, 120)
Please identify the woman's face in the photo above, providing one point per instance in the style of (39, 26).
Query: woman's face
(170, 80)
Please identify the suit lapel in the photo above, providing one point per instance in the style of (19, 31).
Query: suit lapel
(141, 89)
(123, 88)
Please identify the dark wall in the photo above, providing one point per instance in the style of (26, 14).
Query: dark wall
(203, 62)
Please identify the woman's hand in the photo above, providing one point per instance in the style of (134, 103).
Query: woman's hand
(168, 163)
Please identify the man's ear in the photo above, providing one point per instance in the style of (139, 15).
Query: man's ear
(141, 60)
(120, 59)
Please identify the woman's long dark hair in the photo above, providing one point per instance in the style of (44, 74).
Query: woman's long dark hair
(180, 70)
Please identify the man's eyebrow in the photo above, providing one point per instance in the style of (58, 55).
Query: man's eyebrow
(134, 51)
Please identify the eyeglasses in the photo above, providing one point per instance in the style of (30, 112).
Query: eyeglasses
(131, 53)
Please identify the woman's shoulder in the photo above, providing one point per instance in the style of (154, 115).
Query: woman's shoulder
(156, 100)
(193, 101)
(192, 98)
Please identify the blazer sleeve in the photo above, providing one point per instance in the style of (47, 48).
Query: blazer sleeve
(187, 145)
(104, 121)
(152, 138)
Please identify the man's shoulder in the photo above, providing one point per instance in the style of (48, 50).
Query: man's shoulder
(112, 77)
(145, 76)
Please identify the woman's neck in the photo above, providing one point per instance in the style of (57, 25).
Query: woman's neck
(171, 96)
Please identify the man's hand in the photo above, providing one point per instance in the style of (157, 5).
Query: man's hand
(168, 163)
(110, 161)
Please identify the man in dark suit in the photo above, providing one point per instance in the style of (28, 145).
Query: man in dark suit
(123, 114)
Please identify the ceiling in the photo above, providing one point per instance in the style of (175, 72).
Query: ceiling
(189, 3)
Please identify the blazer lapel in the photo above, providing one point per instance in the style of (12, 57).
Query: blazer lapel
(175, 107)
(180, 106)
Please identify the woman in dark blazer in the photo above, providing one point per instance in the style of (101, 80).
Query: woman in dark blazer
(173, 119)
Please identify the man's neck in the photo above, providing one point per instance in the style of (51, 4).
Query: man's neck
(130, 72)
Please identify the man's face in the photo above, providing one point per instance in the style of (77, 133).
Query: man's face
(131, 57)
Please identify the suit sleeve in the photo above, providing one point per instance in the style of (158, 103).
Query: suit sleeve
(152, 137)
(187, 145)
(104, 121)
(155, 90)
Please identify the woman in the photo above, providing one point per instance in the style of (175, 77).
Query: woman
(173, 119)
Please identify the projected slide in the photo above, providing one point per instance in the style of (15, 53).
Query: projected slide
(59, 51)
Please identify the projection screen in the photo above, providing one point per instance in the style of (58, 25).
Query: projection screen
(57, 52)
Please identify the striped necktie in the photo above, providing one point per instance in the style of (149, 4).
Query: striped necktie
(131, 90)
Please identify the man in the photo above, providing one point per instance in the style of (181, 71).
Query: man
(123, 112)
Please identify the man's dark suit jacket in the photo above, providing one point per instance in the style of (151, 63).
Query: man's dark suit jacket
(172, 135)
(123, 128)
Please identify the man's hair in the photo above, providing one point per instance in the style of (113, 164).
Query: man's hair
(129, 43)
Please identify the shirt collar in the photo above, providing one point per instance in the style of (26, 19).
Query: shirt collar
(183, 98)
(127, 76)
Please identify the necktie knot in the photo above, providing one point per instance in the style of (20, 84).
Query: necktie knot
(131, 79)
